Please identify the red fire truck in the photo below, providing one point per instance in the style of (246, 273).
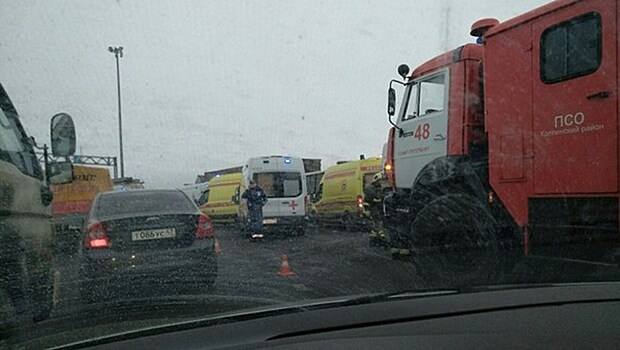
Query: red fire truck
(510, 146)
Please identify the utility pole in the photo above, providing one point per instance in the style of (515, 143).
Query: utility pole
(446, 11)
(118, 53)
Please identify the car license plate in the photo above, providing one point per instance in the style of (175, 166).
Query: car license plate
(270, 221)
(153, 234)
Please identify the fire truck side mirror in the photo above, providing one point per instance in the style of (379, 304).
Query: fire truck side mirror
(391, 108)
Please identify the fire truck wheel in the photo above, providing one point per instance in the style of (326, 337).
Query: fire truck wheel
(455, 243)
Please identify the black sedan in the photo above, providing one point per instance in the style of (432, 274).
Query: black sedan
(146, 243)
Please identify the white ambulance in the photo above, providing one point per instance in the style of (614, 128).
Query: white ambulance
(284, 181)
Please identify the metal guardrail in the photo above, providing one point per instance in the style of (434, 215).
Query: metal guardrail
(89, 160)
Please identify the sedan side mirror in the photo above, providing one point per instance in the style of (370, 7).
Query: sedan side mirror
(62, 131)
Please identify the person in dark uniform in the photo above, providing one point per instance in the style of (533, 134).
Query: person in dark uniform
(255, 198)
(373, 195)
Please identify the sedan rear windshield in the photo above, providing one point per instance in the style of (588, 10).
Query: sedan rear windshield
(279, 184)
(138, 202)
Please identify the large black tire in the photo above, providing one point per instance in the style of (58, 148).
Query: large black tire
(42, 289)
(8, 316)
(14, 283)
(456, 243)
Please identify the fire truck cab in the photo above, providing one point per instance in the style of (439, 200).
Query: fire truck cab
(509, 146)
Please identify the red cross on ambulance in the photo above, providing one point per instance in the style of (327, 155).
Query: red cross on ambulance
(293, 205)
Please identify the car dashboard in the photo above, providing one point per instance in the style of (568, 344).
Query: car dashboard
(552, 316)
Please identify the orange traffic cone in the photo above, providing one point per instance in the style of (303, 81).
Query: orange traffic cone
(285, 269)
(216, 246)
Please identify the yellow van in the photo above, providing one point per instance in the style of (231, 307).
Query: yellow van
(218, 196)
(340, 198)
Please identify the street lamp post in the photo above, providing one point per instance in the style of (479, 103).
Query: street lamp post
(118, 52)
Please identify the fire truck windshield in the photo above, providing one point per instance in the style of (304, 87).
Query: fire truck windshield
(424, 97)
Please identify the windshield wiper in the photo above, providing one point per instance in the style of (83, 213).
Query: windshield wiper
(380, 297)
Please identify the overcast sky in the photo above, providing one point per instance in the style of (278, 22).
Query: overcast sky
(207, 84)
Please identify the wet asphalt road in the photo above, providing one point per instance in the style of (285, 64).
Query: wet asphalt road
(325, 262)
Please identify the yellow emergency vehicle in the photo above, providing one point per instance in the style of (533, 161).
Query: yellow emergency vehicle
(340, 198)
(72, 202)
(219, 205)
(77, 197)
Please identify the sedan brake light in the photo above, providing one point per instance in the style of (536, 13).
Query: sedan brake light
(96, 236)
(205, 227)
